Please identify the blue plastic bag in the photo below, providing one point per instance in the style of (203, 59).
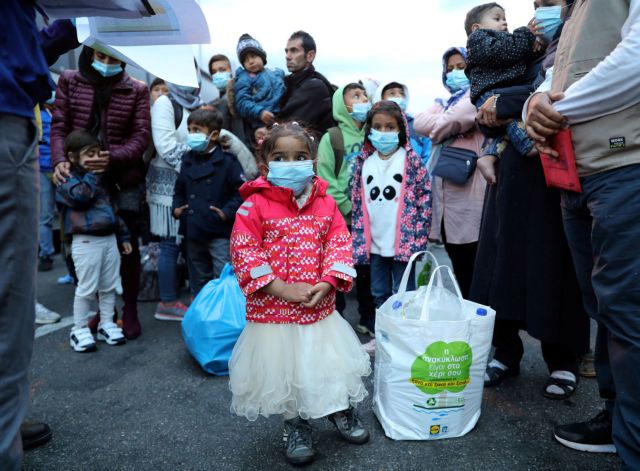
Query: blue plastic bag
(214, 321)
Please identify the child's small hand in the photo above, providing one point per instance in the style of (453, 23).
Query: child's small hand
(487, 166)
(297, 292)
(536, 27)
(219, 212)
(126, 248)
(317, 292)
(178, 211)
(267, 117)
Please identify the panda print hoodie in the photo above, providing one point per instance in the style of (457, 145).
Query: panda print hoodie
(391, 201)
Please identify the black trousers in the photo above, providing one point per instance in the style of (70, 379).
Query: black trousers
(509, 349)
(366, 307)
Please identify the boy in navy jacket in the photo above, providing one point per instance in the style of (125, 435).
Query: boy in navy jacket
(206, 198)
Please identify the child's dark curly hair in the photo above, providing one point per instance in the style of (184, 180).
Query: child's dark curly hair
(290, 128)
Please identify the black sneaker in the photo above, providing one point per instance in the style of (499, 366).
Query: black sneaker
(594, 435)
(34, 434)
(298, 441)
(349, 426)
(45, 264)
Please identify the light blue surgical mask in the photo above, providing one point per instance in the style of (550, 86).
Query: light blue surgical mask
(197, 141)
(385, 142)
(293, 175)
(106, 70)
(401, 101)
(457, 80)
(550, 18)
(221, 79)
(360, 111)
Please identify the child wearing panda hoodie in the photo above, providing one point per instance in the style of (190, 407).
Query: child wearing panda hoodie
(391, 202)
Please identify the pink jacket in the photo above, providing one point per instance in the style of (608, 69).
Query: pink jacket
(459, 206)
(127, 123)
(273, 238)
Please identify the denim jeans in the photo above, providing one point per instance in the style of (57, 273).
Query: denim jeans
(168, 269)
(18, 256)
(386, 274)
(603, 230)
(47, 216)
(206, 258)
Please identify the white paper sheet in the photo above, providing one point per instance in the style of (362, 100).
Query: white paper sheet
(173, 63)
(109, 8)
(175, 22)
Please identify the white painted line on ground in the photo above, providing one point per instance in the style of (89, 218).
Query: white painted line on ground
(48, 328)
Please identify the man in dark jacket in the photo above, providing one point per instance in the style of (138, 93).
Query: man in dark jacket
(308, 93)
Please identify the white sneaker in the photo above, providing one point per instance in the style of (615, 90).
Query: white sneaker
(110, 332)
(370, 347)
(81, 340)
(45, 316)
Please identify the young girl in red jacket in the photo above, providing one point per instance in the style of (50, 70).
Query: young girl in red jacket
(291, 251)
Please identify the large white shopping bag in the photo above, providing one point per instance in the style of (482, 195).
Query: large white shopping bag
(429, 368)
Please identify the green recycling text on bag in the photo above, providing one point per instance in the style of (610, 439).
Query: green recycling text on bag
(442, 366)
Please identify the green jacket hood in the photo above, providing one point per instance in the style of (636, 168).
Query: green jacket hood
(342, 116)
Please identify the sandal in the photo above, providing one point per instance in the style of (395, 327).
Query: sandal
(497, 375)
(567, 386)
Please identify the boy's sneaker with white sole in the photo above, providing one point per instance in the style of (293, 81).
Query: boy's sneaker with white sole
(81, 340)
(174, 312)
(46, 316)
(110, 333)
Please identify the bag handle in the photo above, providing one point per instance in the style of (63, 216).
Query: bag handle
(407, 271)
(424, 314)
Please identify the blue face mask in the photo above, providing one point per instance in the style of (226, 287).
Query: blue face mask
(550, 18)
(106, 70)
(293, 175)
(401, 101)
(385, 142)
(360, 111)
(221, 79)
(457, 80)
(197, 141)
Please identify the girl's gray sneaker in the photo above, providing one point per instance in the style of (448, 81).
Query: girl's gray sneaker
(297, 435)
(349, 426)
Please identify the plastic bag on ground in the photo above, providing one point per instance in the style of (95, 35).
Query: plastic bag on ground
(431, 352)
(214, 321)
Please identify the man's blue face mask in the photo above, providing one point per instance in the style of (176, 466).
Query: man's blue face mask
(550, 19)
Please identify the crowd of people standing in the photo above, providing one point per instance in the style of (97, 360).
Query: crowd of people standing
(308, 188)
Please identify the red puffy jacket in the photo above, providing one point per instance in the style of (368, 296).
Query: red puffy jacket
(127, 123)
(274, 238)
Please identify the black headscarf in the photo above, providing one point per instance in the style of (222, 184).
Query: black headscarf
(102, 87)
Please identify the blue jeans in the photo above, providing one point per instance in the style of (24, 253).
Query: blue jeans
(18, 253)
(514, 129)
(602, 225)
(47, 216)
(386, 274)
(167, 269)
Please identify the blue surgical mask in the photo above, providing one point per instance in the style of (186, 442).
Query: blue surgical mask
(385, 142)
(221, 79)
(197, 141)
(401, 101)
(550, 18)
(106, 70)
(293, 175)
(457, 80)
(360, 111)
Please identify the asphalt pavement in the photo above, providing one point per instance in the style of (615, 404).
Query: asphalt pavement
(147, 405)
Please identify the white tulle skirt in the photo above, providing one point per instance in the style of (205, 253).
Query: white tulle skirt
(308, 370)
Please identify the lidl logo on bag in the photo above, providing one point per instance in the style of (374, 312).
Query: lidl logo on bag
(442, 366)
(434, 430)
